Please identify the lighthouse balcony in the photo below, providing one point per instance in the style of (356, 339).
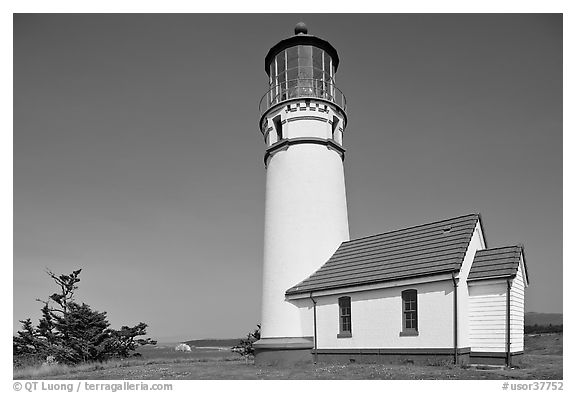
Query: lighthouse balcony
(302, 88)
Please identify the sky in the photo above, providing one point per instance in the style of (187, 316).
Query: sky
(137, 154)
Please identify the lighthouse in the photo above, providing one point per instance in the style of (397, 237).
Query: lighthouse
(302, 120)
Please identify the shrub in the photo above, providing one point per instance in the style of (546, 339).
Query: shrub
(246, 348)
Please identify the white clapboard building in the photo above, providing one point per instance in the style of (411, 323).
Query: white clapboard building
(430, 293)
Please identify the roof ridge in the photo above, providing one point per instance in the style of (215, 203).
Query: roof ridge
(412, 227)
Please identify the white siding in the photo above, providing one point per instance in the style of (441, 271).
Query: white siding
(517, 311)
(377, 318)
(487, 316)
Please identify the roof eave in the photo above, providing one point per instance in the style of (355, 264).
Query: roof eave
(366, 283)
(523, 259)
(506, 276)
(482, 232)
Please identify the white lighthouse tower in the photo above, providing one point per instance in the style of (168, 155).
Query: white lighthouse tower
(303, 118)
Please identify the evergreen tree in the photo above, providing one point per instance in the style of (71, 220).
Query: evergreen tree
(73, 332)
(84, 332)
(125, 342)
(26, 341)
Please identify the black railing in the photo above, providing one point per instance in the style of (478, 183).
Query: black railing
(302, 88)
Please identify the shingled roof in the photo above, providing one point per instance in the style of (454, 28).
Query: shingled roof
(495, 262)
(427, 249)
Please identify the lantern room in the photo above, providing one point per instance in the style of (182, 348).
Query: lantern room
(302, 66)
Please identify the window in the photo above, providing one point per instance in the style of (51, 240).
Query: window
(344, 304)
(317, 62)
(409, 313)
(278, 126)
(326, 61)
(292, 58)
(281, 64)
(305, 56)
(335, 122)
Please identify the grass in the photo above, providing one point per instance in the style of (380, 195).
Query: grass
(542, 360)
(113, 366)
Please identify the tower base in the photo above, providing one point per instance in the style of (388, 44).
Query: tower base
(277, 351)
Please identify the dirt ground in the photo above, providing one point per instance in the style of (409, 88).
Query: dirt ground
(542, 361)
